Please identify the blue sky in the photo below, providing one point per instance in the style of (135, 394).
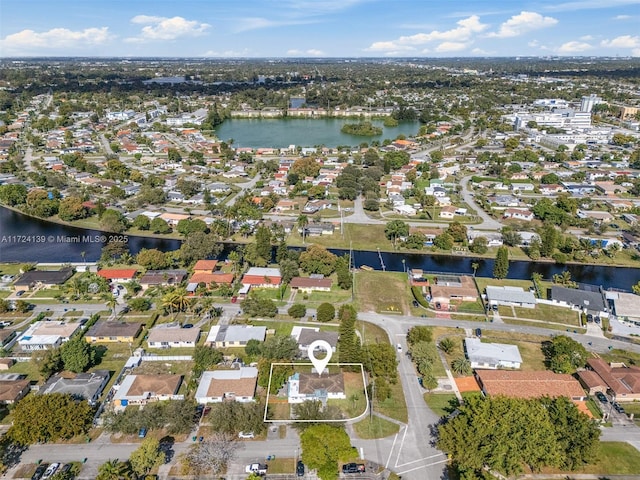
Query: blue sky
(319, 28)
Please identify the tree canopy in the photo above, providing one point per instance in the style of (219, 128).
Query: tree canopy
(323, 446)
(509, 435)
(48, 418)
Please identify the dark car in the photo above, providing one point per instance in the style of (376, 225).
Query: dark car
(37, 475)
(300, 468)
(415, 303)
(478, 332)
(601, 396)
(353, 468)
(188, 325)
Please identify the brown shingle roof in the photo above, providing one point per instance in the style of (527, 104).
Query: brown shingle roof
(158, 384)
(10, 389)
(310, 382)
(529, 384)
(308, 282)
(242, 387)
(114, 329)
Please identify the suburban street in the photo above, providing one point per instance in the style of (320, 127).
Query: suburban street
(409, 453)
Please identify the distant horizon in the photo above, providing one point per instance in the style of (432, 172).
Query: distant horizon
(378, 59)
(319, 28)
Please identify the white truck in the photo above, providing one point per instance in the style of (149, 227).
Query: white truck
(259, 468)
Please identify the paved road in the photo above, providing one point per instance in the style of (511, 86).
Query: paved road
(243, 188)
(488, 223)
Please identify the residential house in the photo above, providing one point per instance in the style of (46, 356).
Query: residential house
(311, 386)
(305, 336)
(46, 335)
(43, 278)
(518, 214)
(596, 215)
(622, 381)
(311, 284)
(586, 300)
(406, 210)
(551, 189)
(222, 336)
(259, 277)
(237, 385)
(173, 336)
(516, 384)
(522, 187)
(210, 280)
(452, 288)
(491, 355)
(161, 278)
(118, 275)
(448, 213)
(87, 386)
(104, 331)
(318, 229)
(286, 206)
(13, 388)
(173, 218)
(509, 296)
(205, 266)
(142, 389)
(626, 306)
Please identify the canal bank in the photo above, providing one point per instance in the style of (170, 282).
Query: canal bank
(29, 239)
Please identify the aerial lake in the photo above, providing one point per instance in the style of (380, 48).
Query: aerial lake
(303, 132)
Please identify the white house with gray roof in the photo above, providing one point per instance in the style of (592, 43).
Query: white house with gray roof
(222, 336)
(515, 296)
(491, 356)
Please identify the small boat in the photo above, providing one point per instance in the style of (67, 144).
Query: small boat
(366, 268)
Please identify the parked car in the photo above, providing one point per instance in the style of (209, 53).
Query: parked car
(188, 325)
(37, 475)
(300, 469)
(234, 299)
(49, 472)
(399, 348)
(142, 432)
(246, 435)
(19, 293)
(478, 332)
(602, 397)
(415, 303)
(353, 468)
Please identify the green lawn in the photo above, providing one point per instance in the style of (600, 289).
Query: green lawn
(375, 427)
(386, 292)
(614, 458)
(549, 313)
(530, 347)
(26, 368)
(394, 407)
(551, 326)
(441, 404)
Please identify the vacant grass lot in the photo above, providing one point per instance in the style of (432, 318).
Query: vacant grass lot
(441, 404)
(530, 347)
(375, 427)
(614, 458)
(551, 326)
(383, 292)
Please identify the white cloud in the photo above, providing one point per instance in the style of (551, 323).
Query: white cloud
(589, 4)
(574, 47)
(624, 41)
(450, 47)
(256, 23)
(622, 17)
(227, 53)
(28, 41)
(312, 52)
(586, 38)
(522, 23)
(479, 51)
(163, 28)
(466, 28)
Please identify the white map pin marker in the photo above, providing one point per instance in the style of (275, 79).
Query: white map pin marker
(320, 364)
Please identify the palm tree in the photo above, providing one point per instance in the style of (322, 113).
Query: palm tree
(461, 366)
(176, 300)
(114, 470)
(447, 345)
(303, 221)
(83, 254)
(475, 266)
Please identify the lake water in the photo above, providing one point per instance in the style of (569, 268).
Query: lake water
(282, 132)
(16, 229)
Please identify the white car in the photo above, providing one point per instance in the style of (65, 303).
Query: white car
(49, 472)
(399, 348)
(246, 435)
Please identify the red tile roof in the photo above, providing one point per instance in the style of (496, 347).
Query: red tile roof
(111, 273)
(260, 280)
(205, 265)
(529, 384)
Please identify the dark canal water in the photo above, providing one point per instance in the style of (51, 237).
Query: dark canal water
(26, 239)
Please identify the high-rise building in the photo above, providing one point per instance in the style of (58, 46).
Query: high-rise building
(587, 103)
